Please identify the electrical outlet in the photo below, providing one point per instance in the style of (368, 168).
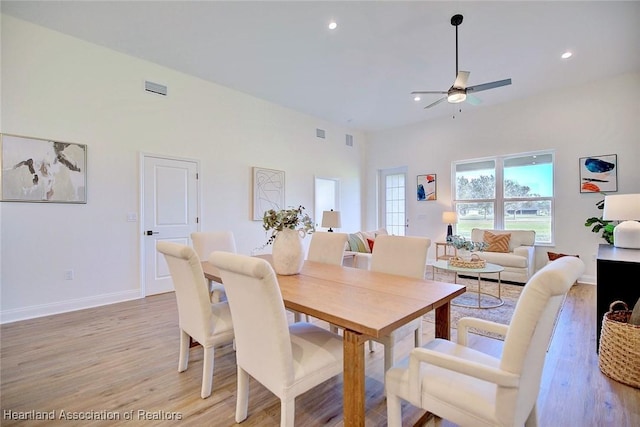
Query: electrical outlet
(68, 274)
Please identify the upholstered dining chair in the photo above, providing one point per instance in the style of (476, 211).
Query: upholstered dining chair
(287, 359)
(205, 242)
(209, 324)
(403, 256)
(327, 248)
(471, 388)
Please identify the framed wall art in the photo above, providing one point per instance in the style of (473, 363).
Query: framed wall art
(268, 191)
(599, 173)
(43, 170)
(427, 187)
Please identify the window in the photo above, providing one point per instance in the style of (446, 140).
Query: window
(510, 192)
(393, 200)
(327, 196)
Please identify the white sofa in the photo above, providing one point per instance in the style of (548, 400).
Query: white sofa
(519, 262)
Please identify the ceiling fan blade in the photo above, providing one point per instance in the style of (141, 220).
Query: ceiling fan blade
(435, 103)
(421, 92)
(461, 79)
(473, 100)
(485, 86)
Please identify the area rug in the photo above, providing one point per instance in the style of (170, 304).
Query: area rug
(509, 293)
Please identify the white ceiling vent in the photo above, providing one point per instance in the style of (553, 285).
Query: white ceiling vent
(320, 133)
(155, 88)
(349, 140)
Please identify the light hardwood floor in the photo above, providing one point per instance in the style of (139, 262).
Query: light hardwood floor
(121, 359)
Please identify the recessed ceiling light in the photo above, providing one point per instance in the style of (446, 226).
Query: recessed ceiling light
(416, 98)
(567, 55)
(333, 25)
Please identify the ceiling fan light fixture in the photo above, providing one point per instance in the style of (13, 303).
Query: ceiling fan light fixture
(456, 95)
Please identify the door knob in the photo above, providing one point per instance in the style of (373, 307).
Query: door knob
(151, 232)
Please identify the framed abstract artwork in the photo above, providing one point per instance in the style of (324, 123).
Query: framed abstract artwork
(42, 170)
(268, 191)
(427, 187)
(599, 173)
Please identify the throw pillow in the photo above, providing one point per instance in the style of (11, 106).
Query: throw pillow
(356, 244)
(553, 256)
(497, 242)
(370, 242)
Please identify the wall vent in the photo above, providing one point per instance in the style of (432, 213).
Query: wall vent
(155, 88)
(320, 133)
(349, 140)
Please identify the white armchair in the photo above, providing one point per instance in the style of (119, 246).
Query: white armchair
(471, 388)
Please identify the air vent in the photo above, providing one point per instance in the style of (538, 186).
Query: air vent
(155, 88)
(320, 133)
(349, 140)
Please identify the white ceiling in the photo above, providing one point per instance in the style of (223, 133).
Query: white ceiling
(361, 74)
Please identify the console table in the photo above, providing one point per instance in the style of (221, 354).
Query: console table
(617, 278)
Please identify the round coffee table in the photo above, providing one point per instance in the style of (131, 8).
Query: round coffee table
(488, 268)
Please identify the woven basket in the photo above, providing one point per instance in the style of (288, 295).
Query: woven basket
(474, 262)
(619, 352)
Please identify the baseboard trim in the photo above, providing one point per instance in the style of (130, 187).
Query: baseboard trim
(15, 315)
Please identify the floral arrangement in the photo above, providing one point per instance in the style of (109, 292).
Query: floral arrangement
(293, 218)
(460, 242)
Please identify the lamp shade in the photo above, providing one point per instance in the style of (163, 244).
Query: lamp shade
(331, 219)
(625, 208)
(449, 217)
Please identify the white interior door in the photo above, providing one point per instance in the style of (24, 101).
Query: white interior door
(169, 211)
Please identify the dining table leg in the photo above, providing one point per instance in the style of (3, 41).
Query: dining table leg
(353, 379)
(443, 321)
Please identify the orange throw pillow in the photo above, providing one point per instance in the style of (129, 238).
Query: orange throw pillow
(554, 256)
(497, 242)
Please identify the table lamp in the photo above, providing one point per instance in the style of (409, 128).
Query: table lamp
(331, 219)
(449, 218)
(625, 208)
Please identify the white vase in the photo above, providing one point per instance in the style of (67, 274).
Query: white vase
(288, 252)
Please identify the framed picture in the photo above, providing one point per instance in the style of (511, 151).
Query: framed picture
(268, 191)
(42, 170)
(599, 173)
(427, 187)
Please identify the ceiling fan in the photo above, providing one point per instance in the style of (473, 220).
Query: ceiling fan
(460, 92)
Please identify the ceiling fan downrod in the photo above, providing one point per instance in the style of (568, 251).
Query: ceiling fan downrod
(455, 21)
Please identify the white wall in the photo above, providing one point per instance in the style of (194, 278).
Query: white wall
(594, 119)
(58, 87)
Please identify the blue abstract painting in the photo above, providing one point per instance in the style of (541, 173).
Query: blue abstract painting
(599, 174)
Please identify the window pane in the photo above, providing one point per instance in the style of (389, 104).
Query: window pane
(528, 176)
(473, 215)
(475, 180)
(534, 215)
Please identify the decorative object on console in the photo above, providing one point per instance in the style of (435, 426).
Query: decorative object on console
(599, 173)
(449, 218)
(427, 187)
(331, 219)
(288, 227)
(625, 208)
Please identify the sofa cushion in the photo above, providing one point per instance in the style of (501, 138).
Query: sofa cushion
(497, 242)
(518, 237)
(504, 259)
(357, 243)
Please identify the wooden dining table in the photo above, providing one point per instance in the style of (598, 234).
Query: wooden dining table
(364, 304)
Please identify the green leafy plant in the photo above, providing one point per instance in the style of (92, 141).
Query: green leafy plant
(598, 225)
(293, 218)
(460, 242)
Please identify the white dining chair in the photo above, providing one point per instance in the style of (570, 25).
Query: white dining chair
(471, 388)
(403, 256)
(207, 323)
(287, 359)
(204, 243)
(327, 248)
